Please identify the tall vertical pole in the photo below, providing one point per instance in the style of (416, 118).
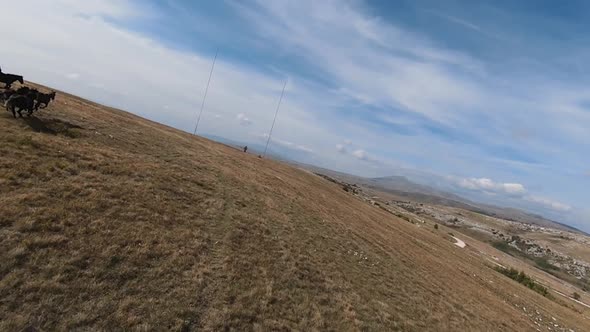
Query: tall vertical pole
(275, 118)
(206, 90)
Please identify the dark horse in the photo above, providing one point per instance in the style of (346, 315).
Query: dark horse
(18, 103)
(44, 98)
(8, 79)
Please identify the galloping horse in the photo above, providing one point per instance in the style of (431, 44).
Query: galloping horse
(44, 99)
(8, 79)
(18, 103)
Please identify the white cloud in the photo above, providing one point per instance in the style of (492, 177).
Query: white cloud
(244, 120)
(347, 142)
(288, 144)
(513, 188)
(487, 185)
(341, 148)
(360, 154)
(511, 194)
(73, 76)
(548, 203)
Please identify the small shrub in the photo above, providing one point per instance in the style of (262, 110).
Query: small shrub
(399, 215)
(435, 226)
(524, 279)
(28, 140)
(576, 296)
(71, 133)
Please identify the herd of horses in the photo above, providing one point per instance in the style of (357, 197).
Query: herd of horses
(24, 98)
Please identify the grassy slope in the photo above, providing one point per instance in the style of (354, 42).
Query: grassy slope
(111, 221)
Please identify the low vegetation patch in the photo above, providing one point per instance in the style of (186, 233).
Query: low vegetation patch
(540, 262)
(524, 279)
(404, 217)
(28, 141)
(504, 247)
(543, 264)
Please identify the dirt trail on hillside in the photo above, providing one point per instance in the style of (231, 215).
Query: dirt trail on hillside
(459, 243)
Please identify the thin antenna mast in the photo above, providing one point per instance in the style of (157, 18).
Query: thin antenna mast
(206, 90)
(275, 118)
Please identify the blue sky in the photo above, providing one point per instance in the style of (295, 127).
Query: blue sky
(488, 99)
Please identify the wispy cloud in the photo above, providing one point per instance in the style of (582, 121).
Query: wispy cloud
(516, 191)
(461, 22)
(466, 24)
(484, 184)
(243, 119)
(423, 83)
(549, 203)
(288, 144)
(360, 154)
(73, 76)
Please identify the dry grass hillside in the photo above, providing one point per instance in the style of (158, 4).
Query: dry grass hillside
(110, 221)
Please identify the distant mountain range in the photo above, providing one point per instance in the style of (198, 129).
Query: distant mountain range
(404, 188)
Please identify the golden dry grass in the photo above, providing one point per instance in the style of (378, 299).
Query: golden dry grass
(109, 221)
